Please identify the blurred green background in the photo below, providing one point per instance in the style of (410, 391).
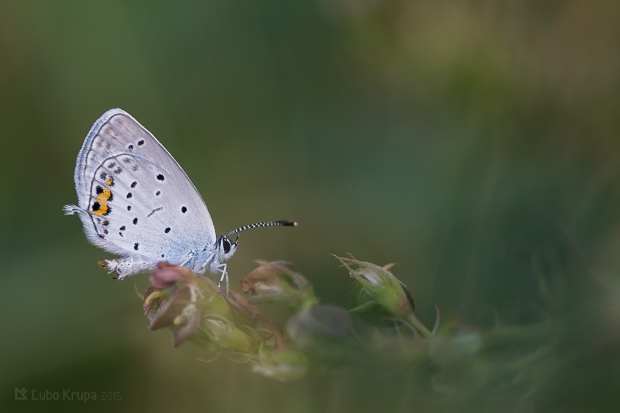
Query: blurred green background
(475, 143)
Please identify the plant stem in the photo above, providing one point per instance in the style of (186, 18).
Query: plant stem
(413, 320)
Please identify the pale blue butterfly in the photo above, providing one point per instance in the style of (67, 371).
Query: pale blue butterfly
(135, 200)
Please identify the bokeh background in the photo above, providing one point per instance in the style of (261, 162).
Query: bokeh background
(475, 143)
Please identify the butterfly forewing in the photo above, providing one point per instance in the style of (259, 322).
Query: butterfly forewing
(139, 200)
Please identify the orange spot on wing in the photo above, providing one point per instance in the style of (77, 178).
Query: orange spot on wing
(103, 208)
(105, 195)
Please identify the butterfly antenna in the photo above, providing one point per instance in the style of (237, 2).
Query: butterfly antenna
(284, 223)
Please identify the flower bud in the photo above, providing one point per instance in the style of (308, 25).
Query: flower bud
(224, 334)
(168, 275)
(278, 282)
(368, 310)
(380, 287)
(180, 311)
(380, 295)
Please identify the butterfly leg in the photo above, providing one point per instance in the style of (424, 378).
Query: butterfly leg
(222, 268)
(187, 261)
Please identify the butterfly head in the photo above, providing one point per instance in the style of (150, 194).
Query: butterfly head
(226, 248)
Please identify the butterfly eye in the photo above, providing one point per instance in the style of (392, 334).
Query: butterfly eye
(226, 245)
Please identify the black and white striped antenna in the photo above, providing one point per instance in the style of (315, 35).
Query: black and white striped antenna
(284, 223)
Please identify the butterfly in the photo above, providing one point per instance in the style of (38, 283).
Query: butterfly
(135, 200)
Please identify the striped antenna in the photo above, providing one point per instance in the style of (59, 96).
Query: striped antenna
(284, 223)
